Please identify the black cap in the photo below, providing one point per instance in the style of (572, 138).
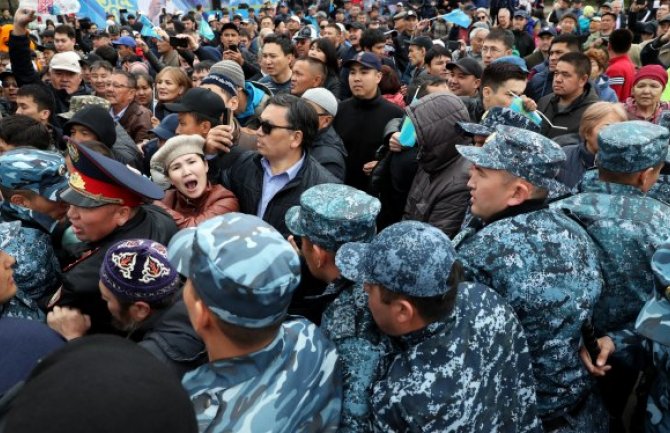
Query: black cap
(355, 25)
(422, 41)
(89, 59)
(468, 66)
(650, 28)
(547, 30)
(665, 19)
(230, 26)
(202, 101)
(98, 120)
(411, 14)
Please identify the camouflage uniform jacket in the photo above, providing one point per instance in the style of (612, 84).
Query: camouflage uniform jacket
(22, 307)
(348, 323)
(37, 271)
(627, 227)
(291, 385)
(469, 372)
(546, 267)
(661, 189)
(631, 348)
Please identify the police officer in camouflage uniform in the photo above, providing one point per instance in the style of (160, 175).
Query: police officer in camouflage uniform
(541, 261)
(12, 302)
(650, 342)
(493, 117)
(265, 374)
(628, 226)
(461, 363)
(330, 215)
(29, 181)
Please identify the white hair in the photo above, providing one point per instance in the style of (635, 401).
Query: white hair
(473, 33)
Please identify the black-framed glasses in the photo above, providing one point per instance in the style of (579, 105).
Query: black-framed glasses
(267, 127)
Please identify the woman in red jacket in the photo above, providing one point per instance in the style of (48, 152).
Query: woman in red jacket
(180, 163)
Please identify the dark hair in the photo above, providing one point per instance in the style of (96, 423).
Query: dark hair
(421, 83)
(65, 29)
(23, 131)
(330, 52)
(107, 53)
(620, 41)
(390, 83)
(316, 64)
(496, 74)
(432, 308)
(502, 35)
(579, 61)
(436, 51)
(571, 41)
(188, 18)
(132, 82)
(203, 66)
(300, 115)
(371, 37)
(102, 64)
(334, 26)
(43, 98)
(284, 43)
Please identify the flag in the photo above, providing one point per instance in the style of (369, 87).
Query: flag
(147, 27)
(458, 17)
(205, 30)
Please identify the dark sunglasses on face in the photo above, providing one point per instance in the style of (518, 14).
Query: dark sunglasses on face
(267, 127)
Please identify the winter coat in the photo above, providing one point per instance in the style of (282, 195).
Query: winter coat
(570, 116)
(216, 200)
(439, 194)
(328, 149)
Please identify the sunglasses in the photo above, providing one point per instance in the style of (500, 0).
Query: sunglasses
(267, 127)
(482, 18)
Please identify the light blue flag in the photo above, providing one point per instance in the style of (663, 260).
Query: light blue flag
(205, 30)
(147, 28)
(458, 17)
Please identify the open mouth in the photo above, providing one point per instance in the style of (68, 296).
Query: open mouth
(191, 185)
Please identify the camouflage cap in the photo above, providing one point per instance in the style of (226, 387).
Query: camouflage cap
(410, 257)
(498, 116)
(7, 232)
(330, 215)
(39, 171)
(241, 267)
(79, 102)
(523, 153)
(653, 321)
(627, 147)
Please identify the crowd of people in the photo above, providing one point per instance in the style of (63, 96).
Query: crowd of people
(337, 217)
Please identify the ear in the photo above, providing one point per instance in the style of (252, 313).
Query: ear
(486, 92)
(297, 139)
(379, 77)
(139, 311)
(205, 127)
(234, 102)
(583, 80)
(20, 200)
(319, 255)
(647, 178)
(520, 193)
(508, 52)
(44, 115)
(122, 215)
(403, 311)
(478, 82)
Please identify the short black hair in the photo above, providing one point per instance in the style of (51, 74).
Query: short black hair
(334, 26)
(620, 41)
(571, 41)
(436, 51)
(497, 73)
(65, 29)
(502, 35)
(203, 66)
(284, 43)
(371, 37)
(43, 98)
(300, 115)
(579, 61)
(421, 83)
(108, 53)
(24, 131)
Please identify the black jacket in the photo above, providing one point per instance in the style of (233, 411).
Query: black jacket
(25, 73)
(570, 116)
(523, 42)
(245, 180)
(80, 278)
(329, 151)
(577, 161)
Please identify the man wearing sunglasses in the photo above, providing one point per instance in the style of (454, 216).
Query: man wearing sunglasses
(269, 182)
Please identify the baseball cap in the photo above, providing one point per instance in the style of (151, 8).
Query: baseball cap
(547, 30)
(323, 98)
(367, 60)
(125, 40)
(306, 32)
(39, 171)
(66, 61)
(422, 41)
(515, 60)
(468, 66)
(166, 129)
(201, 101)
(521, 13)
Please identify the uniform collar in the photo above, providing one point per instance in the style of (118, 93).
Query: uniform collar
(600, 186)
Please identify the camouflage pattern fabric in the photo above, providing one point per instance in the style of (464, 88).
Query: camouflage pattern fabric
(498, 116)
(242, 268)
(661, 189)
(34, 170)
(22, 307)
(37, 272)
(77, 103)
(470, 372)
(331, 214)
(291, 385)
(546, 267)
(627, 147)
(362, 347)
(627, 227)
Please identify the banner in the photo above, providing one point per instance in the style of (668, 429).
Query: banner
(97, 10)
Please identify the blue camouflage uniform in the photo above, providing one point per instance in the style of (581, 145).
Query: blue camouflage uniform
(19, 305)
(544, 264)
(330, 215)
(498, 116)
(467, 371)
(37, 271)
(625, 223)
(245, 273)
(651, 342)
